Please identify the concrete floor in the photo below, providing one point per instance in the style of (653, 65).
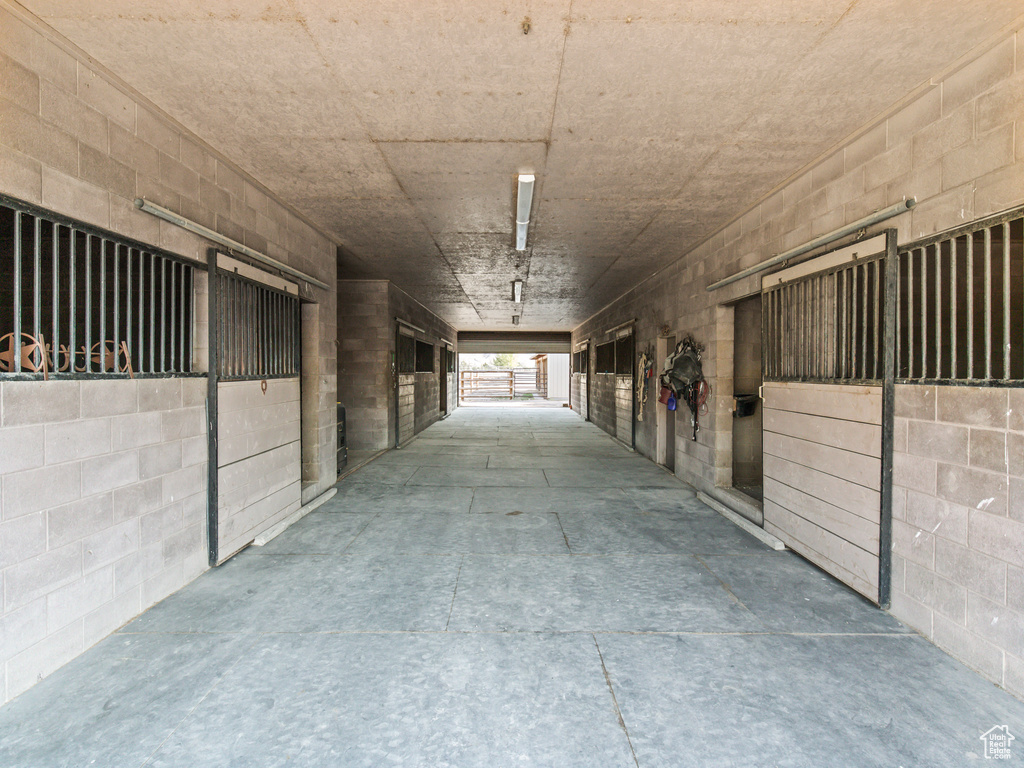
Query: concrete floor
(512, 589)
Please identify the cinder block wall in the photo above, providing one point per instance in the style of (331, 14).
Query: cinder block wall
(958, 523)
(958, 147)
(103, 511)
(364, 362)
(76, 140)
(427, 398)
(366, 345)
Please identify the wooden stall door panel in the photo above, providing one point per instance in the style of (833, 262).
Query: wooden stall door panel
(822, 465)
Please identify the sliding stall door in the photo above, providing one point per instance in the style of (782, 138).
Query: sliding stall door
(824, 369)
(258, 405)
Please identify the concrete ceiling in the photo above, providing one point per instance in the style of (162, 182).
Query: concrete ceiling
(399, 126)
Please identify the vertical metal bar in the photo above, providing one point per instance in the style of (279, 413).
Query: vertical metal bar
(876, 331)
(117, 304)
(787, 333)
(55, 284)
(279, 334)
(794, 323)
(258, 331)
(854, 328)
(243, 349)
(970, 306)
(247, 329)
(152, 313)
(173, 309)
(924, 312)
(841, 284)
(910, 314)
(954, 338)
(798, 318)
(1006, 301)
(937, 254)
(288, 341)
(823, 323)
(103, 305)
(128, 314)
(235, 331)
(141, 312)
(286, 328)
(988, 303)
(37, 247)
(784, 336)
(87, 342)
(163, 315)
(888, 429)
(16, 338)
(72, 297)
(254, 328)
(900, 307)
(214, 311)
(810, 332)
(864, 275)
(185, 324)
(240, 356)
(827, 321)
(222, 321)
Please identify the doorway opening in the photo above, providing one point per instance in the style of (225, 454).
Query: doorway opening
(747, 456)
(540, 380)
(666, 450)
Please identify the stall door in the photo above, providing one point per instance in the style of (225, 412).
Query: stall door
(255, 481)
(625, 391)
(824, 369)
(442, 380)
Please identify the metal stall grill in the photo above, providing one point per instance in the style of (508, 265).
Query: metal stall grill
(826, 327)
(960, 304)
(259, 330)
(77, 301)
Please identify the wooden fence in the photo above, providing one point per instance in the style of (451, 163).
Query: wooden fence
(501, 384)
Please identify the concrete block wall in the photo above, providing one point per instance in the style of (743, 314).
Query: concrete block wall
(958, 147)
(365, 384)
(602, 401)
(426, 386)
(76, 140)
(102, 511)
(958, 524)
(366, 346)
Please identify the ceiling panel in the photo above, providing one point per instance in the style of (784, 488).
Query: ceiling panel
(399, 127)
(452, 70)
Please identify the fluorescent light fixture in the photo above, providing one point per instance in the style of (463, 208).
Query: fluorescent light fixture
(515, 319)
(524, 202)
(517, 291)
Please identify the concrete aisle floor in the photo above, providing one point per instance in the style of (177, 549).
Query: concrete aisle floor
(512, 589)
